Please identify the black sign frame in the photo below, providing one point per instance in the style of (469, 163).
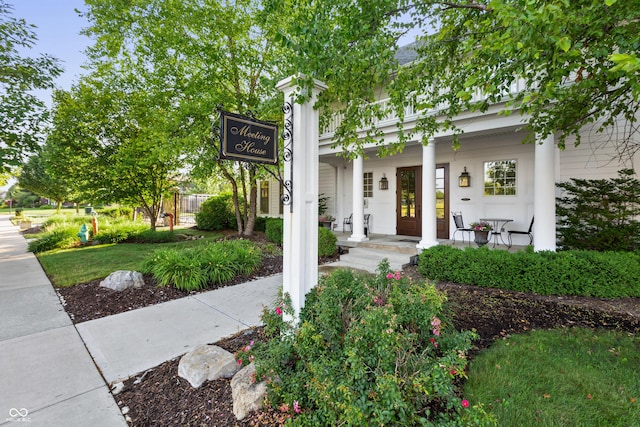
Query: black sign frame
(247, 139)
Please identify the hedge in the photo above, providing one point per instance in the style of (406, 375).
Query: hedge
(576, 272)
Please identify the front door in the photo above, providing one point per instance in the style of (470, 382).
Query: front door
(409, 201)
(442, 201)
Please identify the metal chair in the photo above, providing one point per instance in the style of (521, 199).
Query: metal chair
(528, 233)
(347, 221)
(457, 218)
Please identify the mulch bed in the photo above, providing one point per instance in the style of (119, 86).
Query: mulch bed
(159, 397)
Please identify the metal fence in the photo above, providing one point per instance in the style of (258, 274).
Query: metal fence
(189, 207)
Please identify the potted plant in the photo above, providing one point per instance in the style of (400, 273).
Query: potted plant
(326, 220)
(481, 231)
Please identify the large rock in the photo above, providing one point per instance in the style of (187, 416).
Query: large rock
(123, 279)
(248, 395)
(207, 362)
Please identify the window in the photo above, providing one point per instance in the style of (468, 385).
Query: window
(500, 178)
(264, 197)
(368, 184)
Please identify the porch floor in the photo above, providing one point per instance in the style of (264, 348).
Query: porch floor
(398, 250)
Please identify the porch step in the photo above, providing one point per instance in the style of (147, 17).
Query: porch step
(368, 258)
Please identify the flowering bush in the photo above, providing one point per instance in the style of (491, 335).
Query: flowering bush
(369, 351)
(481, 226)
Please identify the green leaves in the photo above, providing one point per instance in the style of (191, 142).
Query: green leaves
(22, 115)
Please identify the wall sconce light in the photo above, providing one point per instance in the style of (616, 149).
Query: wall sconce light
(464, 180)
(384, 183)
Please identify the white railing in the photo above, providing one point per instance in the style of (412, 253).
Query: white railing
(409, 110)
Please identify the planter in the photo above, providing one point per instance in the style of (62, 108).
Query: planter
(481, 238)
(326, 224)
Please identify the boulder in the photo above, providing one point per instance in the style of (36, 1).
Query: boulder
(247, 394)
(207, 362)
(123, 279)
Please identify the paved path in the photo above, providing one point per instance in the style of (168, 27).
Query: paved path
(48, 377)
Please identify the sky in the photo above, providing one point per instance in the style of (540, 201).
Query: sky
(58, 30)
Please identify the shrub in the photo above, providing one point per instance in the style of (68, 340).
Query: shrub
(261, 223)
(117, 230)
(600, 214)
(581, 273)
(326, 242)
(274, 230)
(367, 351)
(60, 237)
(117, 212)
(197, 267)
(216, 213)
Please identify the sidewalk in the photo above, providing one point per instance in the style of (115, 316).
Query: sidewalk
(45, 368)
(47, 377)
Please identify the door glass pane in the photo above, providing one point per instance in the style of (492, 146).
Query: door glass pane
(440, 214)
(408, 194)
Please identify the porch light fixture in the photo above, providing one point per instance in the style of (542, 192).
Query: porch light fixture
(464, 180)
(384, 183)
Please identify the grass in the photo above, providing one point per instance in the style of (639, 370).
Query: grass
(68, 267)
(562, 377)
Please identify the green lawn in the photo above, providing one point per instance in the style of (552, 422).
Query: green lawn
(67, 267)
(563, 377)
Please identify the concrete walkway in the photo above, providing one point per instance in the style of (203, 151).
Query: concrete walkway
(47, 376)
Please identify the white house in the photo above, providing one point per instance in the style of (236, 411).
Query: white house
(415, 192)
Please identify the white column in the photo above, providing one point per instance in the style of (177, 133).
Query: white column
(357, 221)
(544, 195)
(341, 209)
(300, 244)
(429, 224)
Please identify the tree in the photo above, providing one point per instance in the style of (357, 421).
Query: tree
(576, 62)
(117, 135)
(207, 54)
(36, 176)
(22, 114)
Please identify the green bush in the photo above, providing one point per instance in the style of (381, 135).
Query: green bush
(60, 237)
(198, 267)
(261, 223)
(274, 230)
(367, 351)
(118, 230)
(326, 242)
(600, 214)
(117, 212)
(216, 213)
(580, 273)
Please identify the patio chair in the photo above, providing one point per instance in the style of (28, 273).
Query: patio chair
(528, 233)
(349, 222)
(457, 218)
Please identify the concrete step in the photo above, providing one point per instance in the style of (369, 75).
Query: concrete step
(367, 259)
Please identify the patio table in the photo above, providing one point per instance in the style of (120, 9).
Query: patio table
(498, 225)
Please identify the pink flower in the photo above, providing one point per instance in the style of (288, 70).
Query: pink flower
(435, 322)
(390, 276)
(240, 362)
(465, 403)
(453, 372)
(251, 343)
(433, 341)
(279, 311)
(398, 275)
(296, 407)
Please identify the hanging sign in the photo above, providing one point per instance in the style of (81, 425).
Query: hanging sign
(247, 139)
